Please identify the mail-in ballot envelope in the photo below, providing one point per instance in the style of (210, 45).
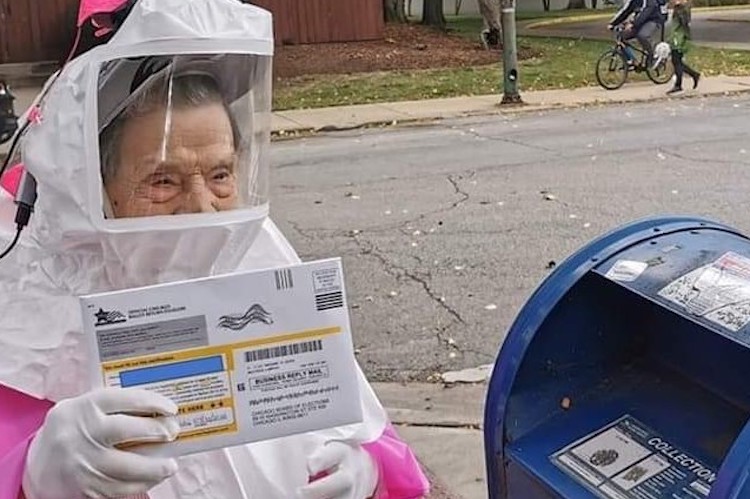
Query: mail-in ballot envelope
(246, 357)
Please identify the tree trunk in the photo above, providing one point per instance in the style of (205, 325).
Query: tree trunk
(394, 11)
(432, 14)
(577, 4)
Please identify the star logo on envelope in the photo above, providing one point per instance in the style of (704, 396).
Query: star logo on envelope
(104, 318)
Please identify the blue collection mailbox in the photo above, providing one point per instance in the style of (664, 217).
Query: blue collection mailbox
(627, 373)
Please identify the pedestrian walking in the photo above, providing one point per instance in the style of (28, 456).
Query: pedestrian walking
(679, 40)
(490, 10)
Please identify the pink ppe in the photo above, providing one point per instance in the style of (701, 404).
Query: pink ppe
(89, 8)
(400, 474)
(21, 416)
(11, 179)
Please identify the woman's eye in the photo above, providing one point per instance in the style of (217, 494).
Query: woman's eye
(222, 175)
(162, 180)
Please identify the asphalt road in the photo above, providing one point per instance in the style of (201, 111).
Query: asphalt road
(445, 230)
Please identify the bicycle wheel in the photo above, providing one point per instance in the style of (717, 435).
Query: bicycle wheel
(611, 69)
(662, 73)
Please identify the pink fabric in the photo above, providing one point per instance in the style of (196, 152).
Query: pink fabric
(11, 179)
(400, 474)
(20, 418)
(90, 7)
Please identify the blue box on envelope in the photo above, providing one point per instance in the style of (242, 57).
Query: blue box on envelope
(627, 373)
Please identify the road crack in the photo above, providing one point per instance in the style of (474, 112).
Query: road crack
(399, 272)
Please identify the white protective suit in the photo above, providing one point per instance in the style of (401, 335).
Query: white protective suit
(67, 251)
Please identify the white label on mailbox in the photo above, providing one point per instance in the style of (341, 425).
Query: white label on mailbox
(719, 292)
(626, 270)
(628, 460)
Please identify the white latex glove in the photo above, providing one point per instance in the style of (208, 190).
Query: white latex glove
(74, 455)
(351, 473)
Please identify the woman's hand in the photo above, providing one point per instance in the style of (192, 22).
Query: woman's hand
(76, 452)
(346, 472)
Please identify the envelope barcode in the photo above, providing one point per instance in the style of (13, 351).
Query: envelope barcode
(283, 279)
(283, 350)
(329, 300)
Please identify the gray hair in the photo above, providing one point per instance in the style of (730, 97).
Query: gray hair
(189, 90)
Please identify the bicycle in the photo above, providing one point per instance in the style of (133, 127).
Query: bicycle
(612, 67)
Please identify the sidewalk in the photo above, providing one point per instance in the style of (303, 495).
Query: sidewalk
(442, 424)
(348, 117)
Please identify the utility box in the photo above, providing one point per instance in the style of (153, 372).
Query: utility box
(627, 373)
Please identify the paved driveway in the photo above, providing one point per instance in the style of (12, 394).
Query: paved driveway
(723, 29)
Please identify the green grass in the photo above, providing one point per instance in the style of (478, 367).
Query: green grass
(560, 63)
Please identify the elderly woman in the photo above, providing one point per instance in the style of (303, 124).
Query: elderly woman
(150, 155)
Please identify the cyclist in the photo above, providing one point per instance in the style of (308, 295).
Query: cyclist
(648, 18)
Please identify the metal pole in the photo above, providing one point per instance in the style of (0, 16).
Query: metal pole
(510, 55)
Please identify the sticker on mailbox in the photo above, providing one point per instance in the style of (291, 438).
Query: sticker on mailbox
(628, 460)
(718, 292)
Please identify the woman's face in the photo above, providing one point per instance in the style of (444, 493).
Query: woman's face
(191, 170)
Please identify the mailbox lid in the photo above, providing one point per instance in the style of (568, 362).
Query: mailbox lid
(702, 274)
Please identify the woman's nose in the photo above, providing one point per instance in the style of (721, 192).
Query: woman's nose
(197, 197)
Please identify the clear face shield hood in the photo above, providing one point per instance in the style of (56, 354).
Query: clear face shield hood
(152, 150)
(183, 145)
